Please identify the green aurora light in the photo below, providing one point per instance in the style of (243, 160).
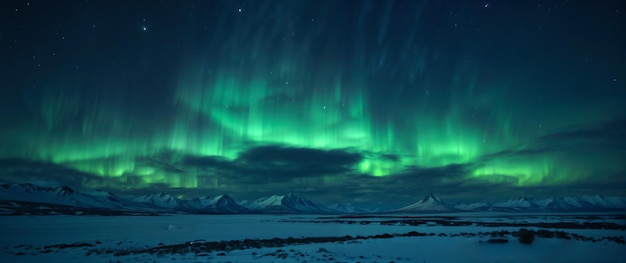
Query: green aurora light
(401, 93)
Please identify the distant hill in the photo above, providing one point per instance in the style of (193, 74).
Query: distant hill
(17, 199)
(286, 204)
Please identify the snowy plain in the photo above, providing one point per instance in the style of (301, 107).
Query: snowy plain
(65, 238)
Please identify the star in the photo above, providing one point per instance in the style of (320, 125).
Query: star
(144, 28)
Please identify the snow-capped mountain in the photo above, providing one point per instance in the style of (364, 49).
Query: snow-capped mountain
(33, 199)
(564, 204)
(582, 203)
(285, 204)
(464, 206)
(600, 201)
(66, 196)
(559, 204)
(429, 203)
(206, 204)
(34, 193)
(162, 200)
(110, 200)
(215, 204)
(520, 204)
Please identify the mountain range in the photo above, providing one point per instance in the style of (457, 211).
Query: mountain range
(32, 199)
(221, 204)
(585, 203)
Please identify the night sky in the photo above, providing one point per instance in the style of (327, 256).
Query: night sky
(336, 101)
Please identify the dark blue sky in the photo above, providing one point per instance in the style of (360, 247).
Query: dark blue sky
(333, 100)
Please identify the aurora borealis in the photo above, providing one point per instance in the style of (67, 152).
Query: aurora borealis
(353, 101)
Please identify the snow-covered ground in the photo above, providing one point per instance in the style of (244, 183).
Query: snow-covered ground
(182, 237)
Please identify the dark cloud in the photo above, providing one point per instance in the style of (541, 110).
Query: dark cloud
(590, 139)
(323, 175)
(299, 156)
(27, 171)
(22, 169)
(516, 153)
(384, 156)
(275, 165)
(390, 157)
(292, 161)
(327, 176)
(436, 173)
(160, 164)
(217, 162)
(614, 131)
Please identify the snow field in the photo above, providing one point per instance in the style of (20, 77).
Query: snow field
(25, 237)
